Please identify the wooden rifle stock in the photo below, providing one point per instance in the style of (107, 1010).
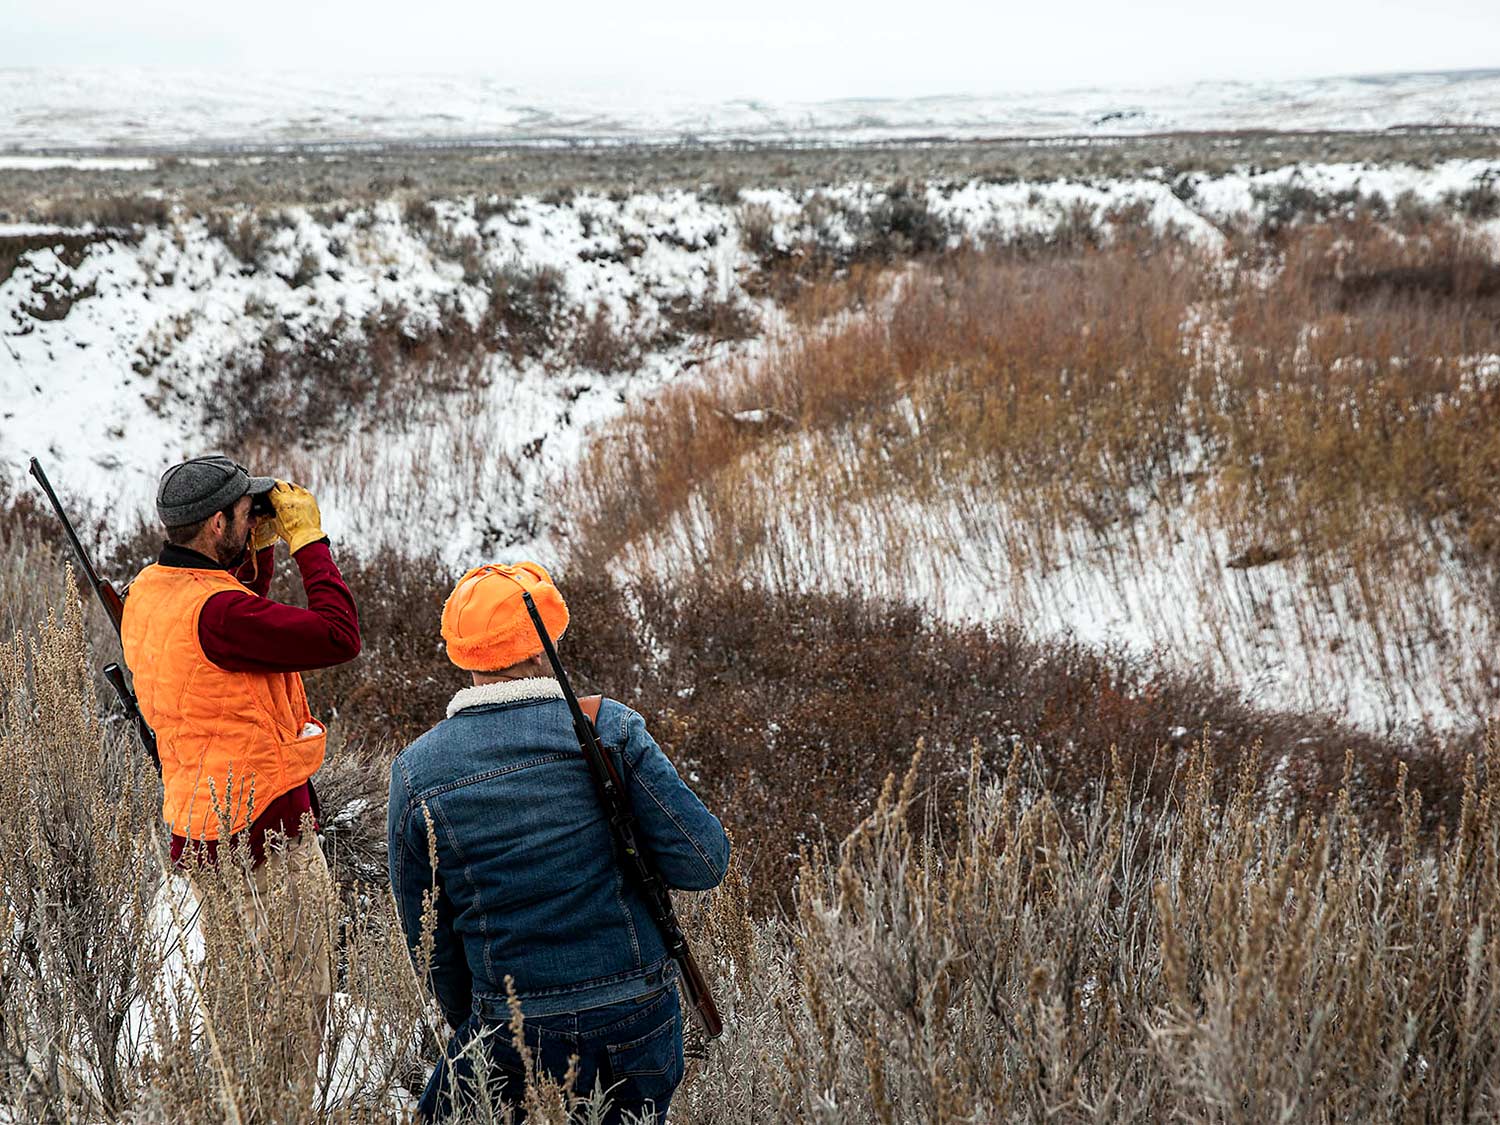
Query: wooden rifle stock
(699, 996)
(616, 800)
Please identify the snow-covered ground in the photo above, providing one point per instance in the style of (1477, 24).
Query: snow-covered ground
(113, 391)
(118, 388)
(1158, 586)
(72, 107)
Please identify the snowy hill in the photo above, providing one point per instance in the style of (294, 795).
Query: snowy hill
(69, 108)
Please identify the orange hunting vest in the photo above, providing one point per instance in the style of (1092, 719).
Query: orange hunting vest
(229, 741)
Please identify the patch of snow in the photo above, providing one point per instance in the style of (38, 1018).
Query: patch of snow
(35, 230)
(78, 163)
(364, 1050)
(1156, 587)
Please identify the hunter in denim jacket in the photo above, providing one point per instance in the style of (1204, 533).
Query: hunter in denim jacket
(495, 827)
(530, 887)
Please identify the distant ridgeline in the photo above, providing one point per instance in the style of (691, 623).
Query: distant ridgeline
(59, 108)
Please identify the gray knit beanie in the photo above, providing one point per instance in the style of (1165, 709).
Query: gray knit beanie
(194, 490)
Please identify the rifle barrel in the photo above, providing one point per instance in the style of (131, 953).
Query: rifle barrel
(89, 573)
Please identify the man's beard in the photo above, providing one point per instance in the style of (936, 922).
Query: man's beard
(232, 551)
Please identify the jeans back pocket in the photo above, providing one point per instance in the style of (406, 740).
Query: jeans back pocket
(646, 1069)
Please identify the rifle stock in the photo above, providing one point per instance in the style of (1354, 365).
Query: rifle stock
(699, 996)
(616, 800)
(114, 604)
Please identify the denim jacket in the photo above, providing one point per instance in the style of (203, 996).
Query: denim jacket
(527, 883)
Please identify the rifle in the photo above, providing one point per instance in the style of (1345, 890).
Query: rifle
(616, 800)
(114, 606)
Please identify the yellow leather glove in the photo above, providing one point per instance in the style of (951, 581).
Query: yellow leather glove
(265, 533)
(297, 513)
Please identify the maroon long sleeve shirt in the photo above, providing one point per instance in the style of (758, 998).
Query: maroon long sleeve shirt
(248, 632)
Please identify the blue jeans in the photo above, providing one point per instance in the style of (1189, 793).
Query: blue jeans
(632, 1050)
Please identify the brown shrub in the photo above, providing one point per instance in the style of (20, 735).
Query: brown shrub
(600, 346)
(528, 314)
(110, 211)
(902, 225)
(712, 318)
(242, 235)
(977, 345)
(1338, 410)
(58, 299)
(79, 819)
(105, 1014)
(1392, 341)
(402, 680)
(288, 391)
(1292, 202)
(792, 710)
(1470, 280)
(1198, 963)
(834, 237)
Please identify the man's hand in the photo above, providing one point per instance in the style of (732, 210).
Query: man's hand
(297, 513)
(265, 533)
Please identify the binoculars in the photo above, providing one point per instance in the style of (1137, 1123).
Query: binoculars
(261, 505)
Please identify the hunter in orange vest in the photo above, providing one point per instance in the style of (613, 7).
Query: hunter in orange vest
(217, 666)
(229, 741)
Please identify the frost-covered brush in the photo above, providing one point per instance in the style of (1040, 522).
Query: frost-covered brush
(617, 810)
(114, 606)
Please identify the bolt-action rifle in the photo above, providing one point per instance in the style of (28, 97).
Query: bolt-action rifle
(622, 823)
(114, 606)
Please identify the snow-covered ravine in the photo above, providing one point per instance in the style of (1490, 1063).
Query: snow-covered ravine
(108, 351)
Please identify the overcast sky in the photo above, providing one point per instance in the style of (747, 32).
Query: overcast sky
(769, 48)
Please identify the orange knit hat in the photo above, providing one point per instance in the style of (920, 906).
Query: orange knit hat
(485, 623)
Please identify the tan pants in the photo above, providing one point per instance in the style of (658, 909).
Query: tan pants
(286, 909)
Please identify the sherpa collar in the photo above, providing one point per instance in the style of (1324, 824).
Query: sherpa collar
(506, 691)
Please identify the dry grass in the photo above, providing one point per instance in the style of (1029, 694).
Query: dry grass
(1354, 397)
(1072, 374)
(982, 342)
(113, 210)
(1197, 963)
(1003, 952)
(279, 176)
(105, 1012)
